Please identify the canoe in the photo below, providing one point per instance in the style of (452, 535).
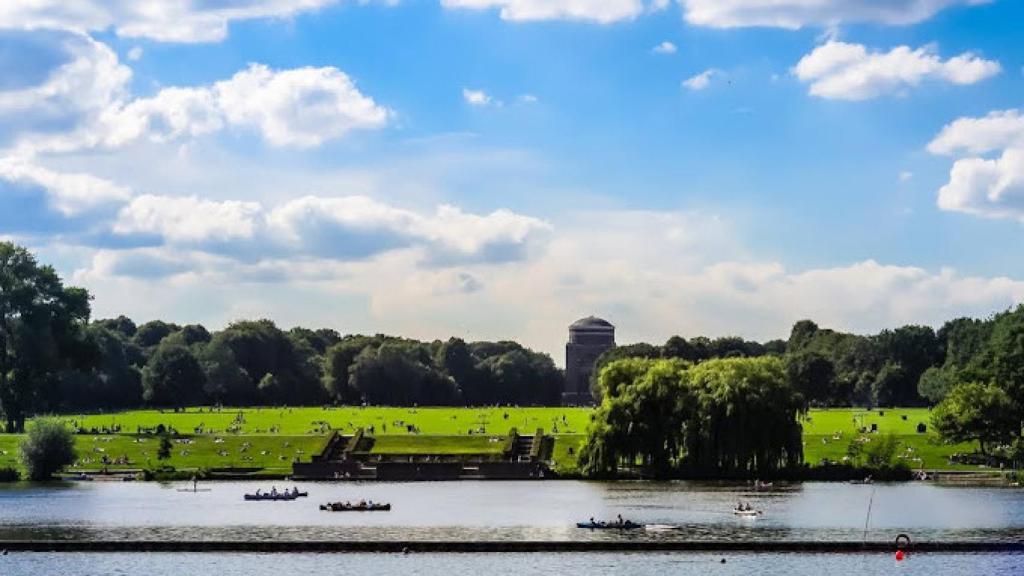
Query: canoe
(276, 497)
(340, 507)
(609, 526)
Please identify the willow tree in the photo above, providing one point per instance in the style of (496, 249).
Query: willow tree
(746, 418)
(723, 417)
(641, 420)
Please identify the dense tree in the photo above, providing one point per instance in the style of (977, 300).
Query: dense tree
(909, 351)
(173, 377)
(812, 374)
(522, 377)
(643, 418)
(735, 416)
(391, 374)
(41, 333)
(261, 348)
(675, 347)
(890, 386)
(112, 382)
(317, 340)
(192, 334)
(123, 325)
(748, 417)
(1004, 356)
(225, 381)
(150, 334)
(975, 411)
(456, 360)
(935, 383)
(337, 364)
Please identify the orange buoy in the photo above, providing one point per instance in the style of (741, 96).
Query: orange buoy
(899, 555)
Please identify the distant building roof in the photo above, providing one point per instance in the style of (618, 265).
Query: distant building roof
(591, 323)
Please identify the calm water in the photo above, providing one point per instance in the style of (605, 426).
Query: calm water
(509, 510)
(518, 564)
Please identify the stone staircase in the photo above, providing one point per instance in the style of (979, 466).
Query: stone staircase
(522, 448)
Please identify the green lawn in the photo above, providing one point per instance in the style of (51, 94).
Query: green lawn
(272, 438)
(827, 433)
(299, 421)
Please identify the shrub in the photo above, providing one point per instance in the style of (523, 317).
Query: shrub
(881, 452)
(48, 448)
(9, 475)
(164, 452)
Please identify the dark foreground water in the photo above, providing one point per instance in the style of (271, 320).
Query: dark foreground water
(510, 511)
(33, 564)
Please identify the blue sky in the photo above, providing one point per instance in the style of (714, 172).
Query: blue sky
(497, 168)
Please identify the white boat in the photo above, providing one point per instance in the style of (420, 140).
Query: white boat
(661, 527)
(747, 513)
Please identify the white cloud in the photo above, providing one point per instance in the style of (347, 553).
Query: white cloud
(135, 53)
(702, 80)
(653, 274)
(70, 194)
(989, 188)
(162, 20)
(997, 130)
(188, 219)
(906, 176)
(986, 187)
(528, 99)
(665, 47)
(476, 97)
(337, 228)
(793, 14)
(843, 71)
(601, 11)
(300, 107)
(80, 91)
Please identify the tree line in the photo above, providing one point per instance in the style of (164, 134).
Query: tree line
(54, 358)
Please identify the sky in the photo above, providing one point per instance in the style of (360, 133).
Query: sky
(495, 169)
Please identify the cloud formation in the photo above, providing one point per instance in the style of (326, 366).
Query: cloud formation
(600, 11)
(161, 20)
(84, 102)
(701, 81)
(69, 194)
(336, 228)
(990, 187)
(843, 71)
(665, 47)
(794, 14)
(653, 274)
(476, 97)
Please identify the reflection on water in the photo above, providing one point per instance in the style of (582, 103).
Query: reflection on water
(518, 564)
(510, 511)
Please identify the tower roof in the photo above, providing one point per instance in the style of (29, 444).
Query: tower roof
(591, 323)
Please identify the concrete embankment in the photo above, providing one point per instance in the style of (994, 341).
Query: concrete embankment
(310, 546)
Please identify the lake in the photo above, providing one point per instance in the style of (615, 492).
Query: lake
(178, 564)
(509, 511)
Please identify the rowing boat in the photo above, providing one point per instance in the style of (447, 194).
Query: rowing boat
(279, 496)
(747, 513)
(627, 525)
(343, 507)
